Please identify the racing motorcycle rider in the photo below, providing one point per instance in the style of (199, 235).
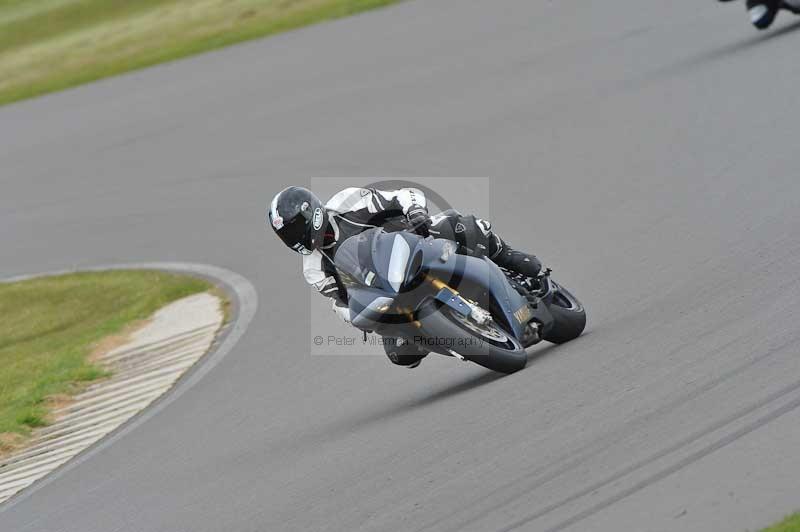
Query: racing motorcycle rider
(763, 12)
(315, 230)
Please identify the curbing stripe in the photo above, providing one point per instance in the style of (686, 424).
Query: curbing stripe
(141, 389)
(155, 346)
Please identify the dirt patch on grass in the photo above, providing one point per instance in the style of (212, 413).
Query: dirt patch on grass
(59, 401)
(109, 343)
(10, 442)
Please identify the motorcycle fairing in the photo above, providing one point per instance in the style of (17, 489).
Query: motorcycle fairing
(376, 264)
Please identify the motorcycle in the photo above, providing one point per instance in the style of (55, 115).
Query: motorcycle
(403, 285)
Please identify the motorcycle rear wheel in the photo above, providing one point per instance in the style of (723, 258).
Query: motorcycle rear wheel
(569, 317)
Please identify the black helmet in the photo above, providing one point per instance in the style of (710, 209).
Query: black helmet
(298, 218)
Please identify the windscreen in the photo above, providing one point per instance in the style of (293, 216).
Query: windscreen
(373, 258)
(354, 258)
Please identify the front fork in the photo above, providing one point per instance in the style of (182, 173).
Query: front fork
(465, 307)
(526, 315)
(450, 297)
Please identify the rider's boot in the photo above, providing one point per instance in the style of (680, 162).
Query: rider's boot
(762, 12)
(517, 261)
(791, 5)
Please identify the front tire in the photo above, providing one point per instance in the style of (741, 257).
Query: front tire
(569, 317)
(504, 355)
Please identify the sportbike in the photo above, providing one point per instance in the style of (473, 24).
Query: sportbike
(402, 285)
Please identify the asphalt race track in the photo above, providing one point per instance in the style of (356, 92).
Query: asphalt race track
(647, 151)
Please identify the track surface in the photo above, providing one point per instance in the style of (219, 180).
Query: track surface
(647, 151)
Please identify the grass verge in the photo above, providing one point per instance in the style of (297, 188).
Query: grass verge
(47, 45)
(51, 324)
(789, 524)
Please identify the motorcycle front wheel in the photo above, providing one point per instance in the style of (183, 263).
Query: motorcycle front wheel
(486, 345)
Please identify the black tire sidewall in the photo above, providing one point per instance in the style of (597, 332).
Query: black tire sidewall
(567, 324)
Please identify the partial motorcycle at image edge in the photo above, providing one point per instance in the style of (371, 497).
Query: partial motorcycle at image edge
(418, 289)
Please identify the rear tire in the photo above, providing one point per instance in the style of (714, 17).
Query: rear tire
(505, 356)
(569, 317)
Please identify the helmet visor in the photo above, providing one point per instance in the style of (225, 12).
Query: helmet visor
(293, 234)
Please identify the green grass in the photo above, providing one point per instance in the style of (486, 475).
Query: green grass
(47, 45)
(50, 326)
(790, 524)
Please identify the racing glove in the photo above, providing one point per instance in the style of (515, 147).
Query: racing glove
(341, 309)
(419, 219)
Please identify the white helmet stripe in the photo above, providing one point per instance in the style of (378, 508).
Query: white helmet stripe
(273, 208)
